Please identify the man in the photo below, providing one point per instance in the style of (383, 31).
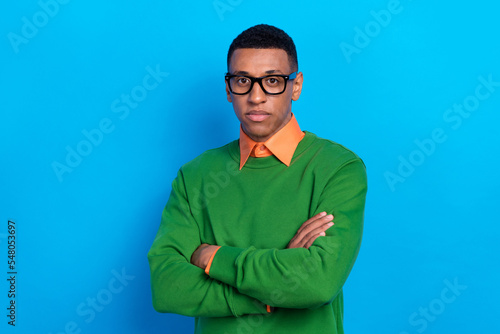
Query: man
(247, 241)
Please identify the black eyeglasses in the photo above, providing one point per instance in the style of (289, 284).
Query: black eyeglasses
(273, 84)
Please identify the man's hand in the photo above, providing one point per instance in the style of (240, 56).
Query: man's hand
(312, 228)
(202, 255)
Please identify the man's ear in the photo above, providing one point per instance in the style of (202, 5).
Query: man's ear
(297, 86)
(228, 93)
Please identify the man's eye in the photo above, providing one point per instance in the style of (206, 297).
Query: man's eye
(242, 81)
(272, 81)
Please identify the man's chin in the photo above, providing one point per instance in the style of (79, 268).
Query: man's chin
(258, 134)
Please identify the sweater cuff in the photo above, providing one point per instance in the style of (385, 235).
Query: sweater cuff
(242, 305)
(207, 269)
(223, 266)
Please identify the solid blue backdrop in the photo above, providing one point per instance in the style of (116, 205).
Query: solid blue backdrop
(101, 103)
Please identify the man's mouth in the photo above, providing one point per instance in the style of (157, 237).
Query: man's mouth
(257, 115)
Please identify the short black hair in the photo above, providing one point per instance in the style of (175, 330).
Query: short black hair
(264, 36)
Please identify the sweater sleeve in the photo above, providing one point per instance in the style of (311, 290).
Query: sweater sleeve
(300, 277)
(179, 286)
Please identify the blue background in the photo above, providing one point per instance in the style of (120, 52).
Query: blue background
(83, 234)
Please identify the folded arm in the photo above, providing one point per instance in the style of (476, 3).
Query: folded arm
(303, 277)
(177, 285)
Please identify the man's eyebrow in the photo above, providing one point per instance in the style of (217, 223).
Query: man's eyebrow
(246, 73)
(273, 71)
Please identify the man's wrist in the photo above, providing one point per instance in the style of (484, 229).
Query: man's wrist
(203, 254)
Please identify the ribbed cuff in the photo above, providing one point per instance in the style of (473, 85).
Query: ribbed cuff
(224, 269)
(223, 265)
(242, 305)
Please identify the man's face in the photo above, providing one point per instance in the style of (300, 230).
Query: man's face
(262, 115)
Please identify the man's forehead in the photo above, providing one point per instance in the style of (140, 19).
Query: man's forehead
(259, 61)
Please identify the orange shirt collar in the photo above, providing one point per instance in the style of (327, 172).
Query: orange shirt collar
(282, 144)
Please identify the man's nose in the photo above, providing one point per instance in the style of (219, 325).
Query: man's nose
(257, 95)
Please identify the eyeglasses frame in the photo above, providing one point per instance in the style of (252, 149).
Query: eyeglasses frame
(253, 80)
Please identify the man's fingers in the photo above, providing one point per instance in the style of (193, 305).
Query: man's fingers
(311, 225)
(311, 220)
(312, 239)
(309, 238)
(313, 230)
(310, 230)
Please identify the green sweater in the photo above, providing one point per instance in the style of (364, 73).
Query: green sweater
(253, 213)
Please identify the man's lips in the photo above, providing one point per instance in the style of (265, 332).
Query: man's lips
(257, 115)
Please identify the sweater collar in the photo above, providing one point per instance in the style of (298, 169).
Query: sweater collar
(282, 144)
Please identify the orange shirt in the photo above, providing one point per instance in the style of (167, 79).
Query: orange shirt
(282, 144)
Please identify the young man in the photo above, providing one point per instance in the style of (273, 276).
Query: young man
(248, 242)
